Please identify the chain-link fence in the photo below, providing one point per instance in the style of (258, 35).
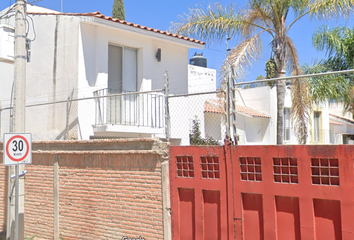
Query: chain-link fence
(197, 119)
(193, 117)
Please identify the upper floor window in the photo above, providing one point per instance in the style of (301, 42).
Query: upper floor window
(286, 126)
(316, 126)
(122, 69)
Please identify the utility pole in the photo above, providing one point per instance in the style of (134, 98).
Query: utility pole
(17, 225)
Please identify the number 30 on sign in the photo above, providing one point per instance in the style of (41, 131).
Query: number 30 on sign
(17, 148)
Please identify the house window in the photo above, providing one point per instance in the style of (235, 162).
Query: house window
(122, 78)
(286, 124)
(316, 126)
(122, 69)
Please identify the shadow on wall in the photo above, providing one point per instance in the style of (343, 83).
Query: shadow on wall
(123, 161)
(89, 52)
(74, 125)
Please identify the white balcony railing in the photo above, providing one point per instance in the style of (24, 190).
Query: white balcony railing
(126, 108)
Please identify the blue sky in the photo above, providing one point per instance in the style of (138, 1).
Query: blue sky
(160, 13)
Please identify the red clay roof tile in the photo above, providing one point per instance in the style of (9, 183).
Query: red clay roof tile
(342, 118)
(99, 15)
(216, 106)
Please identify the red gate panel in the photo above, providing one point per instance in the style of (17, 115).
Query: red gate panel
(262, 192)
(303, 192)
(199, 193)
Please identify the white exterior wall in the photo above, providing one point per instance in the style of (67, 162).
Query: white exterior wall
(51, 75)
(94, 58)
(201, 79)
(253, 130)
(214, 126)
(324, 124)
(264, 100)
(71, 52)
(183, 110)
(287, 104)
(93, 65)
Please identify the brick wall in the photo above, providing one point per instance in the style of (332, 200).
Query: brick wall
(103, 194)
(3, 197)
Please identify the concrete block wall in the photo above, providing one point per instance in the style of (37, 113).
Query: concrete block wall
(102, 194)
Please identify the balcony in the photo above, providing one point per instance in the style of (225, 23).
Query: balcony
(129, 114)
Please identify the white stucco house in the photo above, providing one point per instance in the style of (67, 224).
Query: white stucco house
(89, 55)
(327, 125)
(341, 125)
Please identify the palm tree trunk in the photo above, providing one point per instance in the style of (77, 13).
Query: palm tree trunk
(280, 108)
(279, 51)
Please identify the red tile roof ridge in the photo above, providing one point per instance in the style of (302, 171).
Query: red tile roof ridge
(250, 111)
(342, 118)
(100, 15)
(216, 106)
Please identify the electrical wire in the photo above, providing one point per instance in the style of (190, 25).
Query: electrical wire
(34, 1)
(11, 8)
(33, 27)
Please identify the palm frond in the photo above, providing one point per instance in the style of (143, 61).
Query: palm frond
(300, 108)
(251, 16)
(331, 8)
(213, 23)
(329, 88)
(242, 56)
(300, 7)
(328, 39)
(292, 57)
(259, 13)
(300, 96)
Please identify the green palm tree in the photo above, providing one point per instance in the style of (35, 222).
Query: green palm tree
(338, 42)
(250, 24)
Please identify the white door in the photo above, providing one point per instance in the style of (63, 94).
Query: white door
(122, 78)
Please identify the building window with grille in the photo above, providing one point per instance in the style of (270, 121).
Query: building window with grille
(286, 124)
(316, 126)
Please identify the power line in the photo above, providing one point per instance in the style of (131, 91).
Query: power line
(295, 77)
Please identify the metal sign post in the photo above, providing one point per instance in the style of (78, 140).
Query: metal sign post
(17, 151)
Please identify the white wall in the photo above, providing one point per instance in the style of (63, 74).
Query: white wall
(213, 126)
(201, 79)
(51, 75)
(252, 130)
(264, 100)
(93, 64)
(94, 58)
(67, 54)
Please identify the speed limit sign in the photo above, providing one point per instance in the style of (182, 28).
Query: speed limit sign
(17, 148)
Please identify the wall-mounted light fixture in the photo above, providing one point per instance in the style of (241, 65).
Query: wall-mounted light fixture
(158, 55)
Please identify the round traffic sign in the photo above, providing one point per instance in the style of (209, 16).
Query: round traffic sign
(17, 148)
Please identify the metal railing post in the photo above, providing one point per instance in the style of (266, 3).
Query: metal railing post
(167, 110)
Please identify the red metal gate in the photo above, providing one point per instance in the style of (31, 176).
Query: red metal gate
(262, 192)
(199, 193)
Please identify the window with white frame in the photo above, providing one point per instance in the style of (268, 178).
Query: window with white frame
(122, 78)
(122, 69)
(286, 127)
(316, 126)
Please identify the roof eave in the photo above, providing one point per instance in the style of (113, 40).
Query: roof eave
(251, 116)
(105, 22)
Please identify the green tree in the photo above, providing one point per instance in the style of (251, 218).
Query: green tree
(118, 9)
(250, 24)
(195, 137)
(338, 42)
